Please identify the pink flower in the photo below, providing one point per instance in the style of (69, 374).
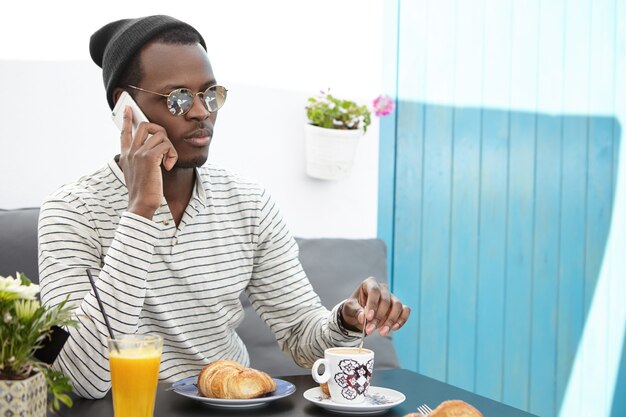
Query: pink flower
(383, 105)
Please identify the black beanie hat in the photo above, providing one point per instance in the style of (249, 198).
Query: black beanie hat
(113, 46)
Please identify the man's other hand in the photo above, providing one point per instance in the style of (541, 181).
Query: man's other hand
(384, 310)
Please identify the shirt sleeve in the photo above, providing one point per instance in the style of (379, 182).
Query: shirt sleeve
(69, 244)
(282, 295)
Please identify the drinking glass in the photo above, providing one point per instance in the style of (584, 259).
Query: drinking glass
(134, 361)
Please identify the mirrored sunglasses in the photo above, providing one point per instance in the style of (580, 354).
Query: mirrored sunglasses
(181, 100)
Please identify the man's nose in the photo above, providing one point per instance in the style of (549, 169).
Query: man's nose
(198, 109)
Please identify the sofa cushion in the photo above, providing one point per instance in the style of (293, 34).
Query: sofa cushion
(18, 242)
(335, 268)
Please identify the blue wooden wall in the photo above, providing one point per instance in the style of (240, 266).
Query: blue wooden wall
(500, 197)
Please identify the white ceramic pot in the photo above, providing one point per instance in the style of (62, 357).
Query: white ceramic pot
(27, 397)
(330, 152)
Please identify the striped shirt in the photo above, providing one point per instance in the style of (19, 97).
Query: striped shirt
(181, 282)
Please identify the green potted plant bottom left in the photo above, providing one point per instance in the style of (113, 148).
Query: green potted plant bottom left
(25, 324)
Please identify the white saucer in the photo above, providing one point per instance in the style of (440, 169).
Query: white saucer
(187, 388)
(377, 400)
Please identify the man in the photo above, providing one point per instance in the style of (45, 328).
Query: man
(174, 242)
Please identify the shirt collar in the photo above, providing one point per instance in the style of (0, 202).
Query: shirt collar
(199, 192)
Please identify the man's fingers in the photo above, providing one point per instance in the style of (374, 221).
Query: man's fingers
(164, 153)
(392, 318)
(352, 311)
(370, 295)
(378, 304)
(360, 316)
(170, 158)
(156, 142)
(166, 150)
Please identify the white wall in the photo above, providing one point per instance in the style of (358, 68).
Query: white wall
(55, 124)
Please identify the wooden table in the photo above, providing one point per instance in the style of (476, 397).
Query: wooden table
(418, 389)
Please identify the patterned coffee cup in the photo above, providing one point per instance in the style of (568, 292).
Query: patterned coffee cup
(347, 371)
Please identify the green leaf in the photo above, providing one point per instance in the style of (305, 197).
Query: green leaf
(330, 112)
(22, 277)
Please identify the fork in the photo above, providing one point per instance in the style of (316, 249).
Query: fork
(424, 409)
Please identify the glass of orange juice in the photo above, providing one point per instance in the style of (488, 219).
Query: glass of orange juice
(134, 361)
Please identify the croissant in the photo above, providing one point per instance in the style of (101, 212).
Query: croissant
(230, 380)
(451, 408)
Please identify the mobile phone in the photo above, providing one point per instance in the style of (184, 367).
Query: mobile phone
(118, 112)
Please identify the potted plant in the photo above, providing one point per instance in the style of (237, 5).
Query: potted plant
(333, 131)
(25, 325)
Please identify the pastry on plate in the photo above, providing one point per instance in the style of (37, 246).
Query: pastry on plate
(324, 388)
(230, 380)
(451, 408)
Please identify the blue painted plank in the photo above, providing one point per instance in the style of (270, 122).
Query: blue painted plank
(545, 265)
(386, 190)
(387, 136)
(572, 248)
(497, 52)
(597, 366)
(576, 53)
(618, 408)
(413, 24)
(595, 361)
(464, 247)
(599, 199)
(492, 253)
(408, 174)
(435, 246)
(604, 53)
(440, 52)
(520, 225)
(469, 60)
(524, 19)
(524, 57)
(408, 226)
(547, 208)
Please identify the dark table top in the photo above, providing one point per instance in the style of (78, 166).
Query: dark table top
(417, 388)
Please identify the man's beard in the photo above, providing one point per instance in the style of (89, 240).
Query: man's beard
(191, 163)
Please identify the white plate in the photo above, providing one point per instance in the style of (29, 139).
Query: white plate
(377, 400)
(187, 388)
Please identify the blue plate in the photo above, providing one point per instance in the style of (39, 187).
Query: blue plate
(187, 388)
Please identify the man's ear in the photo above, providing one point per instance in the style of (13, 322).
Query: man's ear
(116, 94)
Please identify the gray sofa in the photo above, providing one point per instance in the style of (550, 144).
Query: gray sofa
(334, 266)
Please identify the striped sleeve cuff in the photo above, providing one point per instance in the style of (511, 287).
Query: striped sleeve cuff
(138, 235)
(140, 224)
(336, 324)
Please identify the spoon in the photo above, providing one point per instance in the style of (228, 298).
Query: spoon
(363, 334)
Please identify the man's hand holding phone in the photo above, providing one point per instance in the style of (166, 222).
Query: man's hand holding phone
(141, 158)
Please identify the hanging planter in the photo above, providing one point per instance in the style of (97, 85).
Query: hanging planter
(330, 153)
(333, 133)
(24, 398)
